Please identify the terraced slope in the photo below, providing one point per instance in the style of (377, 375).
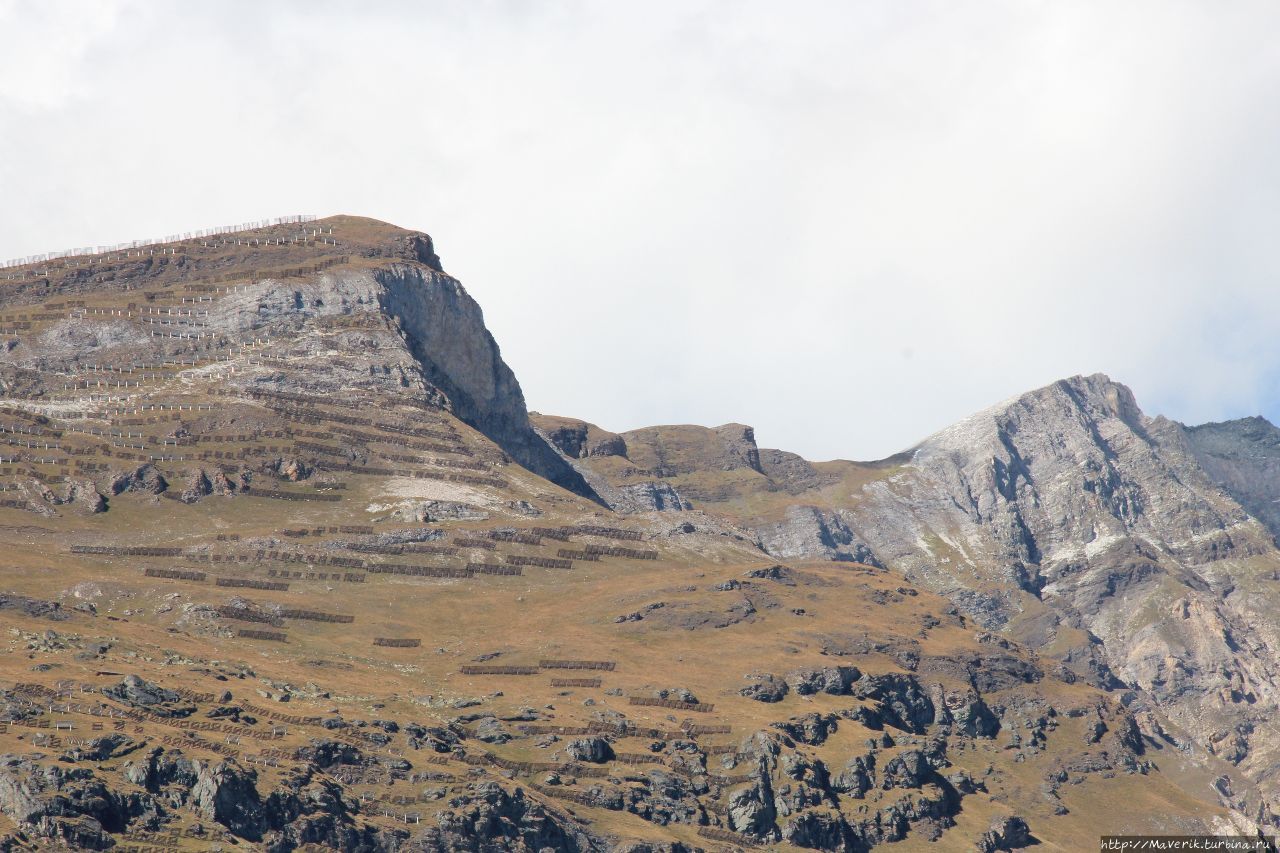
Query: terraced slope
(285, 565)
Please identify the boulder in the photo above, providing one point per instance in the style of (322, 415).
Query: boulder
(834, 680)
(751, 810)
(857, 777)
(143, 694)
(1006, 833)
(970, 716)
(908, 769)
(489, 730)
(145, 479)
(594, 750)
(813, 729)
(817, 831)
(900, 701)
(225, 794)
(765, 688)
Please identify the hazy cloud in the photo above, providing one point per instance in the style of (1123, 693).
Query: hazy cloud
(847, 224)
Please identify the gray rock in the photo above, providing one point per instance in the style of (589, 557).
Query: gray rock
(900, 701)
(225, 794)
(647, 497)
(488, 817)
(143, 694)
(145, 478)
(971, 716)
(594, 750)
(817, 831)
(445, 332)
(813, 729)
(1243, 458)
(33, 607)
(70, 805)
(751, 811)
(489, 730)
(834, 680)
(102, 748)
(1006, 833)
(328, 753)
(907, 769)
(765, 688)
(784, 575)
(857, 777)
(814, 533)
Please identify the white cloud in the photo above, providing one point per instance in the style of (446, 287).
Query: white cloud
(847, 224)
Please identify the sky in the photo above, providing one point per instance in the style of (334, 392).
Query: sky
(847, 224)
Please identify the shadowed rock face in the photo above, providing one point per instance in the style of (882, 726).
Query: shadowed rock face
(1243, 457)
(444, 329)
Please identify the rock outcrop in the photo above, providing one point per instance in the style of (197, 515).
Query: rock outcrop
(812, 532)
(145, 478)
(490, 818)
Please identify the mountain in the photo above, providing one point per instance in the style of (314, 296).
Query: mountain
(288, 564)
(1117, 544)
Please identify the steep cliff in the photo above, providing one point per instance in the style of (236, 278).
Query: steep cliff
(1243, 457)
(445, 331)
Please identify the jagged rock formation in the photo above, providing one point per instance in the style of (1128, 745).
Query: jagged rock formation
(1087, 529)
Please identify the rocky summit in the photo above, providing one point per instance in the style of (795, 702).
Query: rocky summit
(287, 564)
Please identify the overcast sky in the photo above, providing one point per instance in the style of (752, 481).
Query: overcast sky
(847, 224)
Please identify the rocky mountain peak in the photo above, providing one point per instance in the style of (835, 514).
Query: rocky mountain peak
(1080, 403)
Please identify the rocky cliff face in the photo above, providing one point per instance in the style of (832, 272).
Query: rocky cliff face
(1044, 491)
(445, 331)
(1243, 458)
(1075, 522)
(809, 531)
